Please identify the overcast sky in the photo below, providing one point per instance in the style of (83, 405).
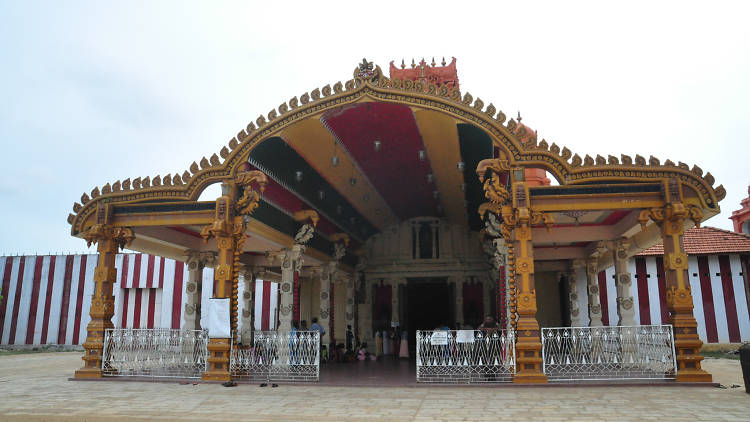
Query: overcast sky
(93, 92)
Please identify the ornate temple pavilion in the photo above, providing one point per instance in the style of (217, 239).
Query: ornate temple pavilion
(402, 202)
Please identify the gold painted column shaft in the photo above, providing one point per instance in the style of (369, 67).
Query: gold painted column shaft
(219, 348)
(528, 337)
(680, 302)
(671, 221)
(109, 240)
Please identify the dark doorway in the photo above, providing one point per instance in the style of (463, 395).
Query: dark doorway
(430, 305)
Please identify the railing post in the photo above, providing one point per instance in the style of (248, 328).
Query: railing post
(419, 354)
(544, 356)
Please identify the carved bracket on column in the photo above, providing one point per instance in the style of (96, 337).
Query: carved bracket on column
(120, 235)
(249, 198)
(670, 213)
(493, 174)
(340, 242)
(309, 220)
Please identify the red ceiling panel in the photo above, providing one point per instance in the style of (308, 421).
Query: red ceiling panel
(395, 171)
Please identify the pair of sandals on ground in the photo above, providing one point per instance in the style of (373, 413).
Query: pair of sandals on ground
(234, 384)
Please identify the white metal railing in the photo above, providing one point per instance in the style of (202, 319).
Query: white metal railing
(608, 353)
(278, 355)
(465, 356)
(157, 352)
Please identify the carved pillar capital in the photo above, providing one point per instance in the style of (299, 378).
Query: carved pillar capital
(120, 236)
(621, 248)
(197, 260)
(575, 266)
(592, 265)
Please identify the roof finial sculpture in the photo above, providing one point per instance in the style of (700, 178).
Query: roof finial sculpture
(365, 69)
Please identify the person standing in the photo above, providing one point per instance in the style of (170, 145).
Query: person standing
(387, 348)
(321, 331)
(404, 347)
(317, 327)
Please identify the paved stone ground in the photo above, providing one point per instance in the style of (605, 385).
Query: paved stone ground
(35, 387)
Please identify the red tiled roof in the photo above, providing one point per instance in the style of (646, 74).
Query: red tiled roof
(708, 240)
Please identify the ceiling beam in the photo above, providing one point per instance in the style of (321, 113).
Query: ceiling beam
(174, 218)
(561, 252)
(592, 202)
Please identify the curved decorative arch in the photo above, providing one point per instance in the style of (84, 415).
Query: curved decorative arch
(371, 85)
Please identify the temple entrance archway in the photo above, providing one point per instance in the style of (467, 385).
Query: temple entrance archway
(429, 306)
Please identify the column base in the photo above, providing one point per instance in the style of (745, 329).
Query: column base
(529, 350)
(92, 358)
(217, 364)
(88, 373)
(532, 378)
(216, 376)
(693, 375)
(687, 346)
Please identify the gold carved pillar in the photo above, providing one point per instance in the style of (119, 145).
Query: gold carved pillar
(528, 336)
(227, 232)
(236, 204)
(671, 220)
(509, 196)
(109, 241)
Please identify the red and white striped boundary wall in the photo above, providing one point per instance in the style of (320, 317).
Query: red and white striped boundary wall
(719, 295)
(46, 299)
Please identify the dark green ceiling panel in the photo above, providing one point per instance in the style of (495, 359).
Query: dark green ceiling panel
(279, 161)
(475, 145)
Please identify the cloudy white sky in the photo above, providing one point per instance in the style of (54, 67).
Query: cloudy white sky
(93, 92)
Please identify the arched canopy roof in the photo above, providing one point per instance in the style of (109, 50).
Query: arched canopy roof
(369, 190)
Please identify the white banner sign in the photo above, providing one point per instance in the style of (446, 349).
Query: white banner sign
(218, 318)
(439, 338)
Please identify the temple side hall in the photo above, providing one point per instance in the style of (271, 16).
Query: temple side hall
(401, 204)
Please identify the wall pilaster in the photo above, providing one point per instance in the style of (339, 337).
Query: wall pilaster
(326, 273)
(592, 287)
(291, 262)
(247, 279)
(196, 261)
(623, 283)
(572, 277)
